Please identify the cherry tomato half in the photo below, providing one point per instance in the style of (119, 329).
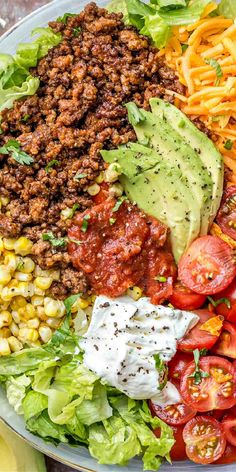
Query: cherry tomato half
(205, 439)
(208, 266)
(177, 452)
(229, 312)
(102, 195)
(197, 338)
(173, 415)
(229, 425)
(216, 387)
(178, 364)
(226, 344)
(226, 217)
(185, 299)
(229, 455)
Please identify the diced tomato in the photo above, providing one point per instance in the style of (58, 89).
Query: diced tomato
(226, 345)
(102, 195)
(205, 440)
(178, 364)
(185, 299)
(229, 455)
(226, 217)
(216, 388)
(229, 425)
(197, 338)
(173, 415)
(208, 266)
(228, 309)
(177, 452)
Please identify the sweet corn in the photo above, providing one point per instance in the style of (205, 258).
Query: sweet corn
(53, 323)
(9, 243)
(4, 347)
(18, 302)
(43, 283)
(116, 190)
(5, 318)
(15, 344)
(5, 275)
(93, 190)
(28, 334)
(23, 246)
(25, 265)
(45, 333)
(33, 323)
(10, 261)
(5, 332)
(16, 316)
(26, 289)
(41, 313)
(135, 292)
(22, 277)
(37, 300)
(1, 246)
(83, 303)
(53, 274)
(100, 178)
(112, 173)
(4, 201)
(54, 308)
(14, 328)
(28, 312)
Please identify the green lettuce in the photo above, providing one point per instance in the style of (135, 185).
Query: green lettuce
(16, 391)
(22, 361)
(227, 8)
(15, 79)
(186, 15)
(157, 29)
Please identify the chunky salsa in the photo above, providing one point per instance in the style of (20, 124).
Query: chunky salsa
(118, 246)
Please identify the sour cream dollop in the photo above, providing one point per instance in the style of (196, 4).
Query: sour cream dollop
(122, 339)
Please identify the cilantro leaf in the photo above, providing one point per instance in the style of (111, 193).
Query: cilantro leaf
(215, 303)
(51, 164)
(69, 302)
(84, 226)
(55, 242)
(118, 204)
(79, 176)
(160, 278)
(12, 147)
(198, 374)
(215, 65)
(63, 19)
(228, 144)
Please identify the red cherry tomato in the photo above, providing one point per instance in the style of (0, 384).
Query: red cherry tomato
(229, 425)
(197, 338)
(102, 195)
(177, 452)
(208, 266)
(216, 387)
(229, 455)
(178, 364)
(185, 299)
(205, 440)
(173, 415)
(217, 414)
(226, 217)
(226, 344)
(228, 309)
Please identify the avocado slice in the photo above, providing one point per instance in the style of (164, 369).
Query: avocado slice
(208, 153)
(143, 174)
(157, 132)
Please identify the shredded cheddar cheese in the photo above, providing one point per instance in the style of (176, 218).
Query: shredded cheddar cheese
(204, 57)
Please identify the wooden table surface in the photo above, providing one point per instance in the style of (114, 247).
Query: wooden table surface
(12, 11)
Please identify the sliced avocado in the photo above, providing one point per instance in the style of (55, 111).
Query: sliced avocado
(159, 189)
(157, 132)
(208, 153)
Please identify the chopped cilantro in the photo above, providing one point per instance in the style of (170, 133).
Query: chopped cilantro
(184, 47)
(64, 18)
(25, 118)
(160, 278)
(76, 31)
(51, 164)
(69, 302)
(12, 147)
(215, 303)
(112, 221)
(228, 144)
(55, 242)
(215, 64)
(84, 226)
(79, 176)
(20, 264)
(76, 241)
(118, 204)
(68, 213)
(198, 374)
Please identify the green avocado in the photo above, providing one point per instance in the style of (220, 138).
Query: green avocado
(160, 135)
(208, 153)
(159, 189)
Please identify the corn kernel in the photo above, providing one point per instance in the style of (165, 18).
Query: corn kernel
(23, 246)
(43, 283)
(25, 265)
(5, 275)
(4, 347)
(22, 324)
(1, 246)
(45, 333)
(41, 313)
(83, 303)
(54, 308)
(100, 177)
(4, 201)
(53, 322)
(135, 292)
(5, 318)
(18, 302)
(14, 328)
(28, 334)
(22, 277)
(38, 291)
(9, 243)
(112, 173)
(37, 300)
(26, 289)
(53, 274)
(16, 316)
(8, 293)
(93, 190)
(5, 332)
(15, 344)
(33, 323)
(28, 312)
(116, 190)
(10, 261)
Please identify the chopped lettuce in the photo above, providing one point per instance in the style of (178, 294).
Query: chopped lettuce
(227, 8)
(157, 29)
(186, 15)
(16, 391)
(15, 79)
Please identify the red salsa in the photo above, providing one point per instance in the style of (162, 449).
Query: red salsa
(118, 247)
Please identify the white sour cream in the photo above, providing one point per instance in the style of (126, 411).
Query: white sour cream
(122, 339)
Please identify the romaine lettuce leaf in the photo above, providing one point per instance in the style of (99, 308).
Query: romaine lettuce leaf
(227, 8)
(33, 404)
(170, 4)
(157, 29)
(22, 361)
(16, 391)
(97, 409)
(186, 15)
(46, 429)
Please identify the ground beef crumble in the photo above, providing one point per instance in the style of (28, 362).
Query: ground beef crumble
(78, 109)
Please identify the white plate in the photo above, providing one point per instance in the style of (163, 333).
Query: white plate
(78, 457)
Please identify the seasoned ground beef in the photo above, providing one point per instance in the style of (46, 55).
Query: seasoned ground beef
(78, 109)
